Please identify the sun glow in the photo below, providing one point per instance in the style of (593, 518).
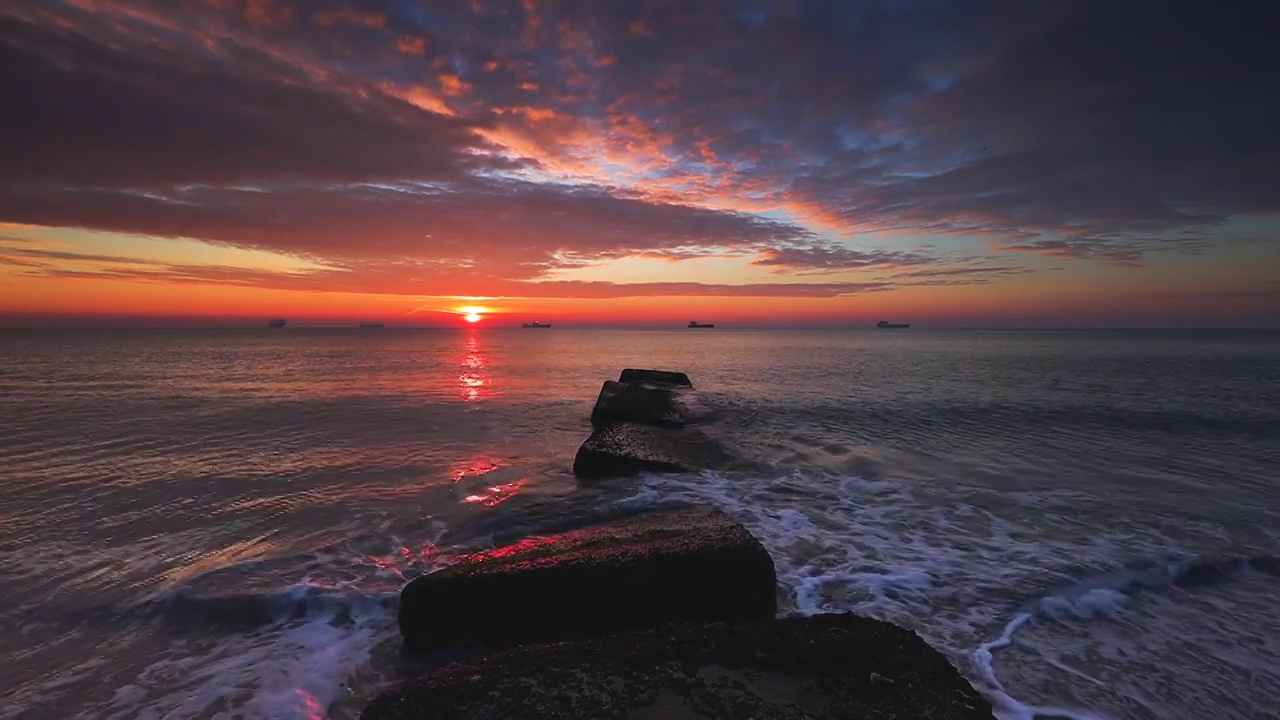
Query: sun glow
(472, 313)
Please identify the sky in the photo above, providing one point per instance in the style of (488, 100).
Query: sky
(950, 163)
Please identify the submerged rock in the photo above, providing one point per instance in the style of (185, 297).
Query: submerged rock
(794, 668)
(634, 402)
(689, 565)
(624, 449)
(654, 377)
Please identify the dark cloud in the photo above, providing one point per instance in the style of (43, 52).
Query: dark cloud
(83, 114)
(37, 254)
(961, 271)
(836, 259)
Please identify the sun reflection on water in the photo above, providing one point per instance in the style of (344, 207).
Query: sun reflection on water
(474, 379)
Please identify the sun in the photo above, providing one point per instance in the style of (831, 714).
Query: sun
(472, 313)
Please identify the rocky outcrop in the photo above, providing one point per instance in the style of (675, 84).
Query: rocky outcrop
(624, 449)
(826, 666)
(638, 403)
(655, 377)
(689, 565)
(635, 422)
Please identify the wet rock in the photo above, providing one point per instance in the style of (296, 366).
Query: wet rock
(623, 449)
(654, 377)
(688, 565)
(794, 668)
(640, 426)
(635, 402)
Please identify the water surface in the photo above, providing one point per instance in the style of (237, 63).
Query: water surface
(216, 523)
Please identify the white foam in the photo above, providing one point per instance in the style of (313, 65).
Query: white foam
(967, 568)
(296, 667)
(292, 669)
(1093, 603)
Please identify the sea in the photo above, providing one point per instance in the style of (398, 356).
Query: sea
(217, 523)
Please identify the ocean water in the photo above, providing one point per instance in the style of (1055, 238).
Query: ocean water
(216, 523)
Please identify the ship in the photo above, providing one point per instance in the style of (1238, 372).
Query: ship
(696, 324)
(275, 323)
(535, 324)
(364, 324)
(886, 324)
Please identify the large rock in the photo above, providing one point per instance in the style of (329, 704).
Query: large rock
(826, 666)
(623, 449)
(636, 402)
(689, 565)
(654, 377)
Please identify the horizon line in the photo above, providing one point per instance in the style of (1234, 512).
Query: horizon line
(1082, 328)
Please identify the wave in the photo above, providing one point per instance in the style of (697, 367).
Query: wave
(1103, 596)
(238, 612)
(1095, 595)
(955, 562)
(293, 653)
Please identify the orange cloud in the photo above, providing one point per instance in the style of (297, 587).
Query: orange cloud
(419, 96)
(453, 85)
(412, 45)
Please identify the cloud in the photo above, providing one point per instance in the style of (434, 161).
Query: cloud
(387, 139)
(836, 259)
(414, 280)
(87, 115)
(508, 226)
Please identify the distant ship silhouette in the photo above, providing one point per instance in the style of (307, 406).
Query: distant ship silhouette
(886, 324)
(275, 323)
(696, 324)
(535, 324)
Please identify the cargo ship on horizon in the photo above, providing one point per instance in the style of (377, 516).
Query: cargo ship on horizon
(696, 324)
(886, 324)
(535, 324)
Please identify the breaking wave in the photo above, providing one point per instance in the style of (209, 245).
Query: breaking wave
(966, 572)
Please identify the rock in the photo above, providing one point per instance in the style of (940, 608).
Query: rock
(654, 377)
(790, 669)
(633, 402)
(636, 425)
(688, 565)
(622, 449)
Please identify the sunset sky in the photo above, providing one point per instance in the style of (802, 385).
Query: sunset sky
(947, 163)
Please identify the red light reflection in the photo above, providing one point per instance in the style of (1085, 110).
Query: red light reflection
(497, 494)
(311, 707)
(405, 559)
(474, 380)
(479, 467)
